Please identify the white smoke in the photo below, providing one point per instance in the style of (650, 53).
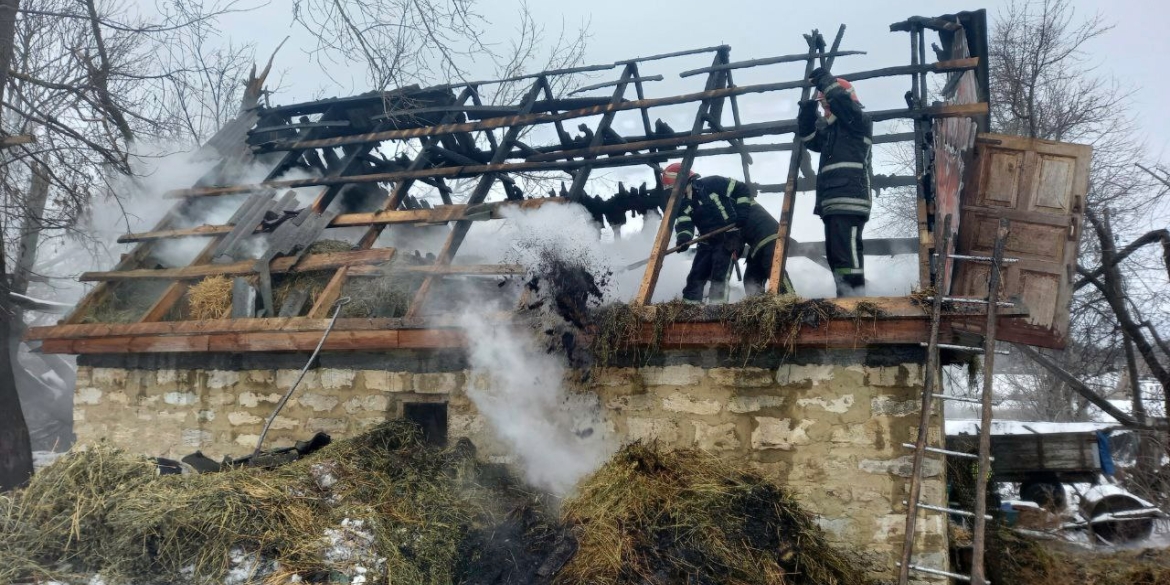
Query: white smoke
(558, 436)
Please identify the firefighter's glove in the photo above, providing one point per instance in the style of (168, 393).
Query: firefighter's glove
(821, 78)
(684, 242)
(808, 108)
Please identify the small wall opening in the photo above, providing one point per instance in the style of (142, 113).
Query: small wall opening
(431, 417)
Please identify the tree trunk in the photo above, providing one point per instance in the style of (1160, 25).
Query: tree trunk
(15, 449)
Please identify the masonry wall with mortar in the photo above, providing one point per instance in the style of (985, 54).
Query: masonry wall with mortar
(830, 432)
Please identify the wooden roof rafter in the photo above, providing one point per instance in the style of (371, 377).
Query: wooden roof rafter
(444, 130)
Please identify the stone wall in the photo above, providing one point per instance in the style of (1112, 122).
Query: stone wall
(828, 428)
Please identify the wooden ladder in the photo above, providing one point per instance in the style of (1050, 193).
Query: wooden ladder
(933, 373)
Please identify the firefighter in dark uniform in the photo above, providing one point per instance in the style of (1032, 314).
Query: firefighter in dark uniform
(759, 230)
(844, 137)
(706, 207)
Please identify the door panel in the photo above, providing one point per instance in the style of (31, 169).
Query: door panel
(1040, 187)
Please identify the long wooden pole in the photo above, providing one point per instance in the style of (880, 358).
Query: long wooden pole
(929, 378)
(662, 238)
(979, 535)
(780, 256)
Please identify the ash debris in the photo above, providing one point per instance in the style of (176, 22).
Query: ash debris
(564, 290)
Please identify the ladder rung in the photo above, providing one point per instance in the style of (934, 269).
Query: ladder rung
(968, 348)
(945, 510)
(947, 452)
(973, 301)
(941, 573)
(986, 259)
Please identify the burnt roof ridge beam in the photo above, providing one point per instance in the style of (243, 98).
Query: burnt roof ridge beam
(746, 131)
(393, 201)
(796, 57)
(538, 75)
(533, 119)
(478, 195)
(674, 203)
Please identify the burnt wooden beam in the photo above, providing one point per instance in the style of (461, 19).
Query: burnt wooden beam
(478, 195)
(765, 61)
(308, 263)
(332, 290)
(532, 119)
(666, 227)
(674, 54)
(747, 131)
(614, 83)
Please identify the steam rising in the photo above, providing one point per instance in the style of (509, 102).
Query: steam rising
(520, 388)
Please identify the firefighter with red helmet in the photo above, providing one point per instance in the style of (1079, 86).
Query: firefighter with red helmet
(844, 137)
(707, 206)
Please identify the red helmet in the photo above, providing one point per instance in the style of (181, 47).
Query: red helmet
(844, 85)
(670, 174)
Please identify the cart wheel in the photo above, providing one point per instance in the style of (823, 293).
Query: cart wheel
(1122, 531)
(1047, 494)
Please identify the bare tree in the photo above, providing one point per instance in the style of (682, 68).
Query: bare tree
(1045, 86)
(15, 449)
(90, 80)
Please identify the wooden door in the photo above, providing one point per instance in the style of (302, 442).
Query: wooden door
(1040, 186)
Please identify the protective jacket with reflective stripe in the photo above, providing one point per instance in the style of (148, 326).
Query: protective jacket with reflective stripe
(845, 141)
(707, 209)
(755, 223)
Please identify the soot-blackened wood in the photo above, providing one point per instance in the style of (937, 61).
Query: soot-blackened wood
(532, 119)
(332, 290)
(482, 188)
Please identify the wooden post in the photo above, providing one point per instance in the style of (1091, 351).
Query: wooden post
(780, 256)
(666, 228)
(979, 535)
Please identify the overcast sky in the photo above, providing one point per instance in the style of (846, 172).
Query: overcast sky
(1132, 52)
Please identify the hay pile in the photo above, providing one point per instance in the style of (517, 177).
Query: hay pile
(764, 320)
(654, 517)
(211, 298)
(1014, 558)
(383, 502)
(388, 509)
(382, 296)
(126, 301)
(759, 322)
